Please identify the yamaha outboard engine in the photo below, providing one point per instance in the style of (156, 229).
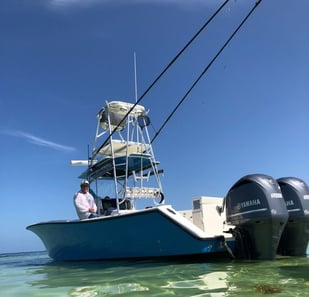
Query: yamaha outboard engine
(254, 205)
(294, 239)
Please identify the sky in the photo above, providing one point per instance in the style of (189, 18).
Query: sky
(60, 60)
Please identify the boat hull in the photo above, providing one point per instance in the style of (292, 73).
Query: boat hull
(149, 233)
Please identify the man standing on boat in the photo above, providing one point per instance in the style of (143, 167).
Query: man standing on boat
(84, 202)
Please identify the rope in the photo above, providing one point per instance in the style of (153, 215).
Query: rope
(228, 249)
(206, 69)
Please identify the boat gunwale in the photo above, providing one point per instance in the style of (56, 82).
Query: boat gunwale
(191, 232)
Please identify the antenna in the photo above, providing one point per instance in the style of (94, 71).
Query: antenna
(135, 87)
(135, 77)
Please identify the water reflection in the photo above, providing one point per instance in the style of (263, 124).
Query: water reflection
(214, 283)
(287, 276)
(91, 291)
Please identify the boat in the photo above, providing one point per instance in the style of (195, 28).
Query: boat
(124, 162)
(123, 171)
(260, 217)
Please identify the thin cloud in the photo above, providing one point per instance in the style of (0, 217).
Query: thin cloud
(40, 141)
(85, 3)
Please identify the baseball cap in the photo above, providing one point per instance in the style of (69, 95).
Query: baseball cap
(84, 183)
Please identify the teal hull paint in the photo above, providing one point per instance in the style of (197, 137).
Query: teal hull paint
(145, 234)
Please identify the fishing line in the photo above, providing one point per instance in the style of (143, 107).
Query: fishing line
(161, 74)
(206, 69)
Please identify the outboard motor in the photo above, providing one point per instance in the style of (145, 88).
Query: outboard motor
(254, 205)
(295, 237)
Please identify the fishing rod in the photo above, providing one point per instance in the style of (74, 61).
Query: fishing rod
(206, 69)
(160, 75)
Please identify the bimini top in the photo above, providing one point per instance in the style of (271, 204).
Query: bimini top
(117, 110)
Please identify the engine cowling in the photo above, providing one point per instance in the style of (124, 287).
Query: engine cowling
(295, 237)
(255, 206)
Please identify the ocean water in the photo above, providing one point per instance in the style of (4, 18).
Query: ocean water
(35, 274)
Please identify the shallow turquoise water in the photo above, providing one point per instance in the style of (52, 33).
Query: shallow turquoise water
(34, 274)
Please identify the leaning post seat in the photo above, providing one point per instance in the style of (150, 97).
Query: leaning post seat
(110, 204)
(255, 206)
(295, 237)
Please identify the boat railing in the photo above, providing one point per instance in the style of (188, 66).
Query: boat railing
(142, 192)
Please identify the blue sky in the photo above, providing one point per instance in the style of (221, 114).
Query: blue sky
(61, 59)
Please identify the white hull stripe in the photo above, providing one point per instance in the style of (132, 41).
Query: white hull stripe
(249, 211)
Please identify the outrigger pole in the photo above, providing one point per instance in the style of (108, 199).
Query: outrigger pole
(163, 72)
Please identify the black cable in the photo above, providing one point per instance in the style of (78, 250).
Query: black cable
(182, 50)
(163, 72)
(206, 69)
